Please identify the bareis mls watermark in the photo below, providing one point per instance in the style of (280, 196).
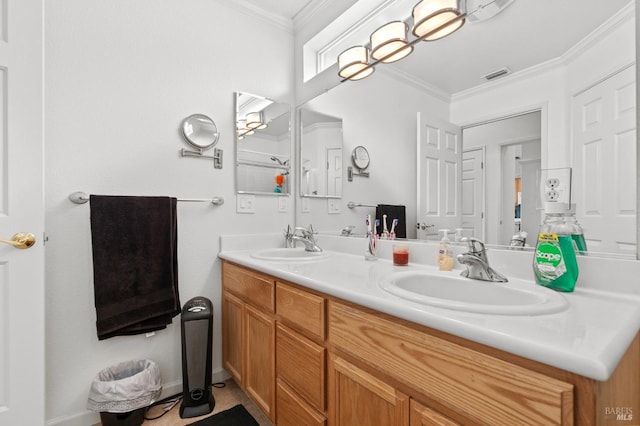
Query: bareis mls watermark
(624, 414)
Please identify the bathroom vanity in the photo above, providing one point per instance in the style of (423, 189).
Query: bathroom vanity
(309, 353)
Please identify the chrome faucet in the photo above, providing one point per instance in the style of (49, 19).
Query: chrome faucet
(477, 263)
(304, 235)
(346, 231)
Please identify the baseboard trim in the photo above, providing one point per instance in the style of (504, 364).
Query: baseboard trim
(92, 418)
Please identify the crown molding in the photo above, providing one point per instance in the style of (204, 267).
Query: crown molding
(264, 15)
(624, 14)
(607, 27)
(415, 82)
(308, 14)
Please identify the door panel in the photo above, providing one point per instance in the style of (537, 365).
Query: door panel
(439, 175)
(21, 210)
(604, 162)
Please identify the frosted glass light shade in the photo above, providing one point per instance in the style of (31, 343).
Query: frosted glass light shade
(255, 121)
(353, 60)
(390, 38)
(430, 14)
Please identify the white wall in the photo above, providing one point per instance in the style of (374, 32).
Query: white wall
(380, 114)
(120, 76)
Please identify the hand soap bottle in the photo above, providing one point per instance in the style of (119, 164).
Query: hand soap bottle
(445, 258)
(554, 262)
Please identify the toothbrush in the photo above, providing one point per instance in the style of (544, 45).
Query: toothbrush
(392, 234)
(385, 232)
(367, 221)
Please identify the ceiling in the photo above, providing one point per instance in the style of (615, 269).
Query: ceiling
(524, 34)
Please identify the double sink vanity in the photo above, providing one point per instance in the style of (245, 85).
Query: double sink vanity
(329, 338)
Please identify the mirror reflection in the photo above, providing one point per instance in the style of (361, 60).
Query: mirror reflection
(560, 93)
(263, 145)
(320, 154)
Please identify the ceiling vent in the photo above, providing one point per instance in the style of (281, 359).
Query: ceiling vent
(481, 10)
(497, 74)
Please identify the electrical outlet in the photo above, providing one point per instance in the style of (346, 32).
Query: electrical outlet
(553, 195)
(553, 182)
(555, 185)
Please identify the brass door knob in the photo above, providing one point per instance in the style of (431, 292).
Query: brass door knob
(21, 240)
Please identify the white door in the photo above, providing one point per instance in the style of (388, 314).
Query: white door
(473, 193)
(439, 175)
(21, 210)
(604, 163)
(334, 172)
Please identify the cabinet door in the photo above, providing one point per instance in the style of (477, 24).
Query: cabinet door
(259, 377)
(232, 336)
(425, 416)
(294, 411)
(357, 398)
(301, 363)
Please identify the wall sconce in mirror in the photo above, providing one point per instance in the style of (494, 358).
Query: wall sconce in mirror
(360, 159)
(201, 133)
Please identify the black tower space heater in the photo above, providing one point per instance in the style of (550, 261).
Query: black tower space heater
(197, 331)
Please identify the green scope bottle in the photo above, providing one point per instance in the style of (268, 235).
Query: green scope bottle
(577, 234)
(554, 262)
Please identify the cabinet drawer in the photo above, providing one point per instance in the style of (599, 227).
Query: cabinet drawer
(252, 287)
(293, 411)
(475, 385)
(301, 309)
(301, 363)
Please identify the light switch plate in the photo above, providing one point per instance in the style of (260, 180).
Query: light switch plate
(283, 204)
(333, 206)
(245, 203)
(306, 205)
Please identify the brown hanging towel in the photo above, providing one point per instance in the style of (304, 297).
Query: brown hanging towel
(135, 263)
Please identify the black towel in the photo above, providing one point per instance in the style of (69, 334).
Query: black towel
(135, 266)
(392, 212)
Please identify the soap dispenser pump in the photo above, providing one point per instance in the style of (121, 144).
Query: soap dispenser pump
(445, 258)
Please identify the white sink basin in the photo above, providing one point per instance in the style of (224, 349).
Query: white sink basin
(288, 254)
(516, 297)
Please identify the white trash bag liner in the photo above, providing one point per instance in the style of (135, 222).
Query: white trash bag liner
(125, 387)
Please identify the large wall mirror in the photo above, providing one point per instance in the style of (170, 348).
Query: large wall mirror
(517, 125)
(263, 145)
(320, 154)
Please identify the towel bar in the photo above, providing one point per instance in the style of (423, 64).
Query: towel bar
(82, 197)
(352, 205)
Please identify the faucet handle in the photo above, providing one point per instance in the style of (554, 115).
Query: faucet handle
(475, 245)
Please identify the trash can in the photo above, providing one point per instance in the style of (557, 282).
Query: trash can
(122, 393)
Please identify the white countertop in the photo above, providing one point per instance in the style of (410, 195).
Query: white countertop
(588, 338)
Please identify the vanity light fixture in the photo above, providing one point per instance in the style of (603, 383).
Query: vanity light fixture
(354, 63)
(255, 121)
(242, 130)
(433, 19)
(389, 42)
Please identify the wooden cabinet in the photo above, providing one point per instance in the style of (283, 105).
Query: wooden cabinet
(309, 359)
(421, 415)
(248, 333)
(359, 398)
(301, 355)
(477, 386)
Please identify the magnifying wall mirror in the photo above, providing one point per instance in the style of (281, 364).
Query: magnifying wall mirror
(263, 145)
(200, 131)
